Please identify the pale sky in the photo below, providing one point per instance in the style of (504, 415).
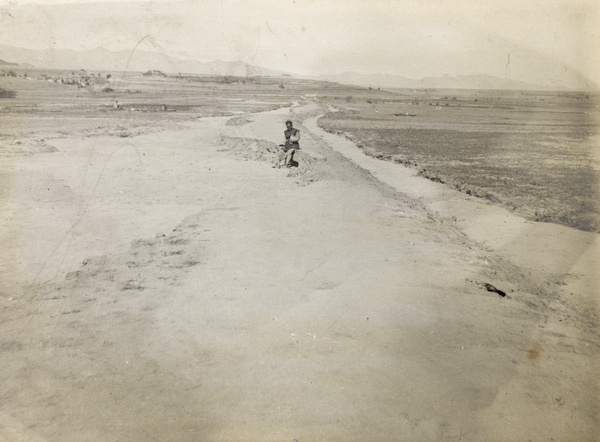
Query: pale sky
(405, 37)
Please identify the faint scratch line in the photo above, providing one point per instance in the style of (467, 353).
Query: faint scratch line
(320, 264)
(133, 50)
(77, 222)
(271, 30)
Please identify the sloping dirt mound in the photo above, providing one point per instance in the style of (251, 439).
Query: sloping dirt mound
(238, 121)
(250, 148)
(308, 167)
(146, 262)
(26, 147)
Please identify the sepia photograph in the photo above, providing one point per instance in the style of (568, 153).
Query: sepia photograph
(299, 220)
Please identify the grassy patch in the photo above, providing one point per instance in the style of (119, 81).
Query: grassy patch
(531, 153)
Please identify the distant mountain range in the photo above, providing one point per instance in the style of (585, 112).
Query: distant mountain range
(6, 64)
(102, 59)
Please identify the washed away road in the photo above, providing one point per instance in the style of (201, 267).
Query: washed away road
(178, 288)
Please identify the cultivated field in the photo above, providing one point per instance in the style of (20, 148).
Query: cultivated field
(533, 152)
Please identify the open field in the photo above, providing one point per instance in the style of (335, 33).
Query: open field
(160, 281)
(533, 152)
(37, 103)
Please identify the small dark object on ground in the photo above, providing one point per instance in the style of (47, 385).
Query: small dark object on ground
(7, 94)
(491, 288)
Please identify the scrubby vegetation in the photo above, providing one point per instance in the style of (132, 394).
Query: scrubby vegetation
(530, 152)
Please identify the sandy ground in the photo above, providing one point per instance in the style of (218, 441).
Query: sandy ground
(174, 287)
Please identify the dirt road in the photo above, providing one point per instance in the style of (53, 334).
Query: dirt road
(168, 287)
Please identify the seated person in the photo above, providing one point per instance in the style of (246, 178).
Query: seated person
(292, 137)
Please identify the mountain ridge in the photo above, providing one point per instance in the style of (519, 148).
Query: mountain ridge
(103, 59)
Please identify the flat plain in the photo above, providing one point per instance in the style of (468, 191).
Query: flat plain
(161, 281)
